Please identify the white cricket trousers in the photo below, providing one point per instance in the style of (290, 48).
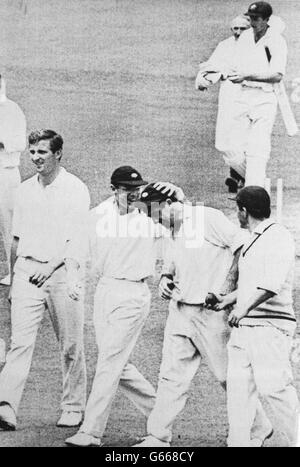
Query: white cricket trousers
(120, 310)
(259, 365)
(67, 316)
(9, 183)
(192, 332)
(252, 117)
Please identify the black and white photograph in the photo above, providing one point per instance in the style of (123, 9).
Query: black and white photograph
(149, 226)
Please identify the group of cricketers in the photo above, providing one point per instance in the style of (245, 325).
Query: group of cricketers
(229, 288)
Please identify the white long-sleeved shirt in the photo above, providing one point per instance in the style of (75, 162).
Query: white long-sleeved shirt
(251, 57)
(12, 133)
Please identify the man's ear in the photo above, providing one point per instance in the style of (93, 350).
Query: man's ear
(245, 212)
(169, 201)
(58, 154)
(113, 188)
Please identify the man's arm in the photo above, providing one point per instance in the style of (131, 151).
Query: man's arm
(231, 280)
(243, 309)
(73, 279)
(227, 295)
(268, 77)
(13, 254)
(166, 283)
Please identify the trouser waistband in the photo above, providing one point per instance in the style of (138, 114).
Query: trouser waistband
(124, 279)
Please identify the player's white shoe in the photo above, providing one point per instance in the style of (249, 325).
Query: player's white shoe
(151, 442)
(259, 442)
(6, 280)
(83, 440)
(69, 419)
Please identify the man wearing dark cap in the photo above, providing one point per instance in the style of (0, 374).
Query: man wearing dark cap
(221, 59)
(123, 253)
(197, 261)
(263, 323)
(259, 63)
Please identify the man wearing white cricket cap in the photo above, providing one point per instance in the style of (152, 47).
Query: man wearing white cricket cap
(12, 143)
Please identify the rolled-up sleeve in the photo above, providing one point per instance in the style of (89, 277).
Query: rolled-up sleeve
(220, 231)
(278, 259)
(17, 215)
(278, 50)
(77, 244)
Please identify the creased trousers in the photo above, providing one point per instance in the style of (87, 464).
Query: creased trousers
(120, 310)
(259, 365)
(67, 316)
(192, 332)
(252, 117)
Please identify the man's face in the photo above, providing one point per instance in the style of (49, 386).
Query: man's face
(126, 196)
(44, 159)
(258, 23)
(237, 30)
(169, 214)
(160, 213)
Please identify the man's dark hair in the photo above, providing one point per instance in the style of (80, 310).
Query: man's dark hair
(55, 140)
(255, 200)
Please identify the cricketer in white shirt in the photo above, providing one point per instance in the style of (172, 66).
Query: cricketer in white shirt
(258, 64)
(259, 349)
(45, 218)
(122, 245)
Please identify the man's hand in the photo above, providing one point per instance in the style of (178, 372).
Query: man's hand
(212, 299)
(165, 287)
(42, 272)
(235, 316)
(225, 302)
(201, 83)
(74, 288)
(9, 296)
(237, 78)
(170, 188)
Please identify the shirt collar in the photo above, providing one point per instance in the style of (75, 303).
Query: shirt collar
(259, 229)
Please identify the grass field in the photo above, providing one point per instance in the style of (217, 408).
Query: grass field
(115, 78)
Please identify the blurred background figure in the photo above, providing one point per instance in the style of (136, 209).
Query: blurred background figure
(12, 143)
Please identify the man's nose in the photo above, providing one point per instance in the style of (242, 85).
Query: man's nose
(36, 157)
